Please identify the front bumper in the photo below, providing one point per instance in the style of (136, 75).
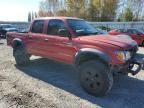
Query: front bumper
(133, 66)
(136, 65)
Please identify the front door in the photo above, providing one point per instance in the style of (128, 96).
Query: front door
(60, 46)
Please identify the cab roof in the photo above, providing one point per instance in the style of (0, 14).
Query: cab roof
(61, 18)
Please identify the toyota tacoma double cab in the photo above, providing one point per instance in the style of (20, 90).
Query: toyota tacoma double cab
(74, 41)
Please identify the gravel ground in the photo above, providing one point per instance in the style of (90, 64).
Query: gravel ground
(45, 83)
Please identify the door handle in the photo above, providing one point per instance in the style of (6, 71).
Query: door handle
(46, 39)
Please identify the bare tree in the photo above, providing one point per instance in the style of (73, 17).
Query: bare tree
(29, 17)
(137, 8)
(48, 7)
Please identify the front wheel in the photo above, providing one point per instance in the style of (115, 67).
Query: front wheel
(21, 57)
(96, 78)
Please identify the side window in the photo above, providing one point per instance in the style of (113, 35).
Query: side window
(37, 26)
(54, 26)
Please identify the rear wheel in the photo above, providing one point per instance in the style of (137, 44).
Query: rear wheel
(96, 78)
(21, 57)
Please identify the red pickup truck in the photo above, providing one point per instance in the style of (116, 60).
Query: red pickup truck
(135, 34)
(74, 41)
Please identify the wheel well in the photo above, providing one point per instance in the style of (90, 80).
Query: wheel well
(16, 44)
(88, 57)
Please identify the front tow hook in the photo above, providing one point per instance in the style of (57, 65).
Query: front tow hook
(135, 65)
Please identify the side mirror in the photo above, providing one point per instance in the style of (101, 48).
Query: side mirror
(64, 33)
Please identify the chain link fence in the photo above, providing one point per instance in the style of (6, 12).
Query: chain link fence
(118, 25)
(106, 25)
(18, 25)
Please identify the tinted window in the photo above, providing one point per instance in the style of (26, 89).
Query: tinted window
(54, 26)
(38, 27)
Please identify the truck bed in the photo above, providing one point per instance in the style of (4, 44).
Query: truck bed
(13, 35)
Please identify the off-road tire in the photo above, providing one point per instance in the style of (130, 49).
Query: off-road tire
(21, 57)
(95, 77)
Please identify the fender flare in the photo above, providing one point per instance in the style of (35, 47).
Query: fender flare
(97, 53)
(17, 42)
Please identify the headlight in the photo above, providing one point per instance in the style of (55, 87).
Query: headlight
(123, 55)
(127, 55)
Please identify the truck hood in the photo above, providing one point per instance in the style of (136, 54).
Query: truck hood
(112, 40)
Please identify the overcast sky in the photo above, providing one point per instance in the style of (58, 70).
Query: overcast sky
(17, 10)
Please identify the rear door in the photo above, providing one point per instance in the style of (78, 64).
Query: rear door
(35, 38)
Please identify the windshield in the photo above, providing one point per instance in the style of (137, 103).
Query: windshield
(81, 27)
